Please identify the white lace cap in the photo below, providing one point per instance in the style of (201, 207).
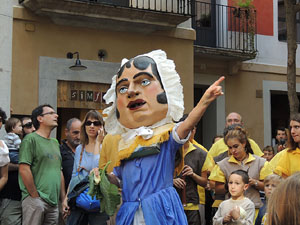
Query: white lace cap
(172, 86)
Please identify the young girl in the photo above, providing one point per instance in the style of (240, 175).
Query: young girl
(238, 209)
(289, 159)
(241, 157)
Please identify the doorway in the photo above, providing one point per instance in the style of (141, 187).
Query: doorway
(207, 126)
(280, 111)
(75, 99)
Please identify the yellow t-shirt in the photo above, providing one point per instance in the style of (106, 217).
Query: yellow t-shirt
(191, 206)
(220, 147)
(271, 166)
(288, 163)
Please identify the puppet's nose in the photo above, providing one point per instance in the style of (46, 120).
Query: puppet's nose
(132, 93)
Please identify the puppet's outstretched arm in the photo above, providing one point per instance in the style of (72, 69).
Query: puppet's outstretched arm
(214, 91)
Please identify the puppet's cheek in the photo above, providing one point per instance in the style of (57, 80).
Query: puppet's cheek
(121, 104)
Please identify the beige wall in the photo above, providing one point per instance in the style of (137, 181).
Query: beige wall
(35, 36)
(241, 96)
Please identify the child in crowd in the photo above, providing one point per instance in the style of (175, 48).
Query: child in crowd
(12, 139)
(268, 153)
(270, 183)
(283, 206)
(238, 209)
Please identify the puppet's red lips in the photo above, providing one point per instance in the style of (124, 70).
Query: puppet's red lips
(136, 104)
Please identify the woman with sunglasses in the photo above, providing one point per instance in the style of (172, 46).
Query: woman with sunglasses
(86, 158)
(240, 157)
(27, 126)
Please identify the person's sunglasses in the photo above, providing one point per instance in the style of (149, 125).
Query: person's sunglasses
(27, 125)
(96, 123)
(48, 113)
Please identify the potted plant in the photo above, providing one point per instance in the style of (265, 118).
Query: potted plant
(243, 7)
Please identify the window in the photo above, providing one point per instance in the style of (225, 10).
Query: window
(282, 36)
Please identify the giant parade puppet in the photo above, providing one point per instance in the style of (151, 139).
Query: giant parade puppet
(147, 97)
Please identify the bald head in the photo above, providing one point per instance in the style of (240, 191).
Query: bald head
(233, 118)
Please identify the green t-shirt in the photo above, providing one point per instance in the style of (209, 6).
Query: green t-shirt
(43, 156)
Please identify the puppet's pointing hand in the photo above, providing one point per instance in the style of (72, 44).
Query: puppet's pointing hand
(214, 91)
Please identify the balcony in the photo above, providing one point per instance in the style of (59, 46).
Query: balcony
(121, 15)
(225, 31)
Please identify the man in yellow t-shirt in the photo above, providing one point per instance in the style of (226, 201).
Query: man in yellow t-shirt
(220, 146)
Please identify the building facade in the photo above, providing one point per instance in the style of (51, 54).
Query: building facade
(103, 34)
(206, 39)
(255, 86)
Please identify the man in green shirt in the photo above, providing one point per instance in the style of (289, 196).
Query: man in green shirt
(40, 177)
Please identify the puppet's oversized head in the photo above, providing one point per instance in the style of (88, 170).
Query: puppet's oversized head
(146, 92)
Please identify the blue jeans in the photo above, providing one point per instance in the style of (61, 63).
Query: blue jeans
(81, 217)
(14, 156)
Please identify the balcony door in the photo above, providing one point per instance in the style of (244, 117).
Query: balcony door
(204, 22)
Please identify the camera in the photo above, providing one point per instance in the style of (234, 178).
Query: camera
(282, 141)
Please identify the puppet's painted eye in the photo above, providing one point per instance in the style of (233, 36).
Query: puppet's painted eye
(123, 90)
(145, 82)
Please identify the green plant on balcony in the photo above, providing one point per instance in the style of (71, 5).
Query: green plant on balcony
(245, 11)
(204, 21)
(244, 3)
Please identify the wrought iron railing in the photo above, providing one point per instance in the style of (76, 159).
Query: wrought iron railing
(225, 27)
(182, 7)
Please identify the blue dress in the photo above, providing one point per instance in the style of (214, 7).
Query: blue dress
(148, 182)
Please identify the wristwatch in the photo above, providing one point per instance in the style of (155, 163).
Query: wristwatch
(256, 183)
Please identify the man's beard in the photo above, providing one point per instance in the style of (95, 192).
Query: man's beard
(74, 144)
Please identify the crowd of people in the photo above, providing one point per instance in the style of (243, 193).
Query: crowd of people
(165, 176)
(194, 168)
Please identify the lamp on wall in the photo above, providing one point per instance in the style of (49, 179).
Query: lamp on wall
(77, 66)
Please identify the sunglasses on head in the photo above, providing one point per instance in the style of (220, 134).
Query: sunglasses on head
(96, 123)
(27, 125)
